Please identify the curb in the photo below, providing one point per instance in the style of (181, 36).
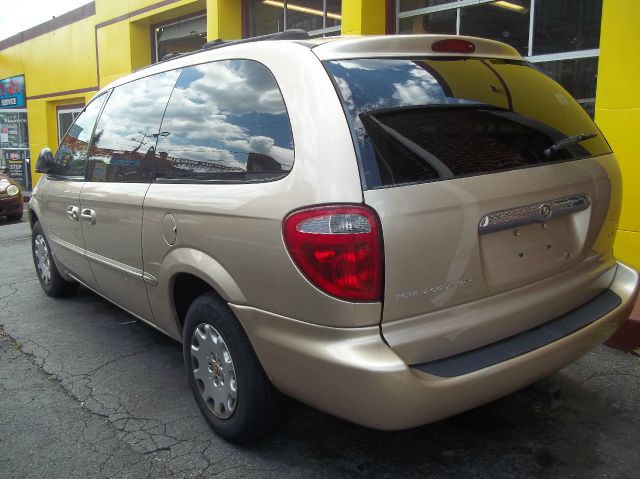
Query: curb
(627, 338)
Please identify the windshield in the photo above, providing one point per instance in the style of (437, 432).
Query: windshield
(438, 119)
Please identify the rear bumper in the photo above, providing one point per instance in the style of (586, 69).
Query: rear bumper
(353, 374)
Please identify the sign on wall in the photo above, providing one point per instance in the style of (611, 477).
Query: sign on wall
(12, 93)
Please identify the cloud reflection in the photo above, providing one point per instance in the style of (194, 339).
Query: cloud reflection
(229, 113)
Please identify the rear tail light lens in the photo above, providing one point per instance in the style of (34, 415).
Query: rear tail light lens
(338, 249)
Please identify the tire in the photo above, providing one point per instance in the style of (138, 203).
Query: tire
(246, 406)
(50, 279)
(16, 217)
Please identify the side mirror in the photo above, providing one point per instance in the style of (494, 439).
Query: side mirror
(45, 163)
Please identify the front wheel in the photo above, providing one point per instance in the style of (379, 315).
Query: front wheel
(228, 382)
(50, 279)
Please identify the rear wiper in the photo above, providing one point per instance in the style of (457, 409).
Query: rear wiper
(572, 140)
(441, 169)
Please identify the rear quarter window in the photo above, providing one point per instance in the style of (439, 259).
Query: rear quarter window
(225, 121)
(421, 120)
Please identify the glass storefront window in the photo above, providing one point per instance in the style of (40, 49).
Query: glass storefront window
(182, 36)
(333, 13)
(566, 26)
(305, 14)
(265, 18)
(13, 129)
(318, 17)
(407, 5)
(546, 32)
(578, 76)
(14, 145)
(506, 22)
(441, 23)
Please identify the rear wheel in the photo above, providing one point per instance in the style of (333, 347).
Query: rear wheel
(50, 279)
(227, 380)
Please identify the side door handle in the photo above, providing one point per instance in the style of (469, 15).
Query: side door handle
(73, 212)
(88, 216)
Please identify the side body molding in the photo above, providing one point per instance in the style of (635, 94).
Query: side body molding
(196, 263)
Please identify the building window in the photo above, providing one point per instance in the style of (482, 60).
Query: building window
(66, 116)
(180, 36)
(14, 144)
(318, 17)
(561, 37)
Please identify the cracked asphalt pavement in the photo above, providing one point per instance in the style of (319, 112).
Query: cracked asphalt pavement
(88, 391)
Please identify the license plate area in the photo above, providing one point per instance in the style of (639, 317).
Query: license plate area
(529, 242)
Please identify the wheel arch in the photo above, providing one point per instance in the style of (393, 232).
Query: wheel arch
(185, 274)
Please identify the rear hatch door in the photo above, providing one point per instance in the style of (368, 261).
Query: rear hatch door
(497, 194)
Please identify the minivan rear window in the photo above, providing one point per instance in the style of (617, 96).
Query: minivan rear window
(422, 120)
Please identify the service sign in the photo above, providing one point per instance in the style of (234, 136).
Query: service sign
(12, 92)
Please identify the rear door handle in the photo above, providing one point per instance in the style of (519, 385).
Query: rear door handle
(73, 212)
(88, 216)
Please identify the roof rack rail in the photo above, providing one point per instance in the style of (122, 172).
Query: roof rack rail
(293, 34)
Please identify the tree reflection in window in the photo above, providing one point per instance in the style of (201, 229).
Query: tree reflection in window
(225, 120)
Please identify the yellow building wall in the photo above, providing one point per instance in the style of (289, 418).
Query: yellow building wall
(363, 17)
(60, 61)
(65, 59)
(224, 19)
(123, 29)
(618, 112)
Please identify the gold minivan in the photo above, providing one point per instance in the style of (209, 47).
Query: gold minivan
(390, 229)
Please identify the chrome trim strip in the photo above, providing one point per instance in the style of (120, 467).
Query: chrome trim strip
(149, 279)
(120, 267)
(533, 213)
(71, 247)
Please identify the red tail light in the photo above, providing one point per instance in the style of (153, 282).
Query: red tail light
(338, 249)
(453, 45)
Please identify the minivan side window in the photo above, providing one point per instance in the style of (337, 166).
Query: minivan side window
(226, 121)
(71, 157)
(126, 133)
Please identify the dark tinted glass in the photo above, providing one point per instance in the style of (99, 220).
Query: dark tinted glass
(71, 157)
(225, 121)
(506, 22)
(579, 76)
(265, 18)
(438, 119)
(441, 23)
(406, 5)
(124, 142)
(305, 14)
(566, 26)
(333, 13)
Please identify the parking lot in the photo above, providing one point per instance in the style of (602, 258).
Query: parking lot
(88, 391)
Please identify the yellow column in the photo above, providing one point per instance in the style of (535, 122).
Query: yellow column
(618, 112)
(363, 17)
(224, 19)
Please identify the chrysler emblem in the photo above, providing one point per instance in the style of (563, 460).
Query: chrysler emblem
(545, 210)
